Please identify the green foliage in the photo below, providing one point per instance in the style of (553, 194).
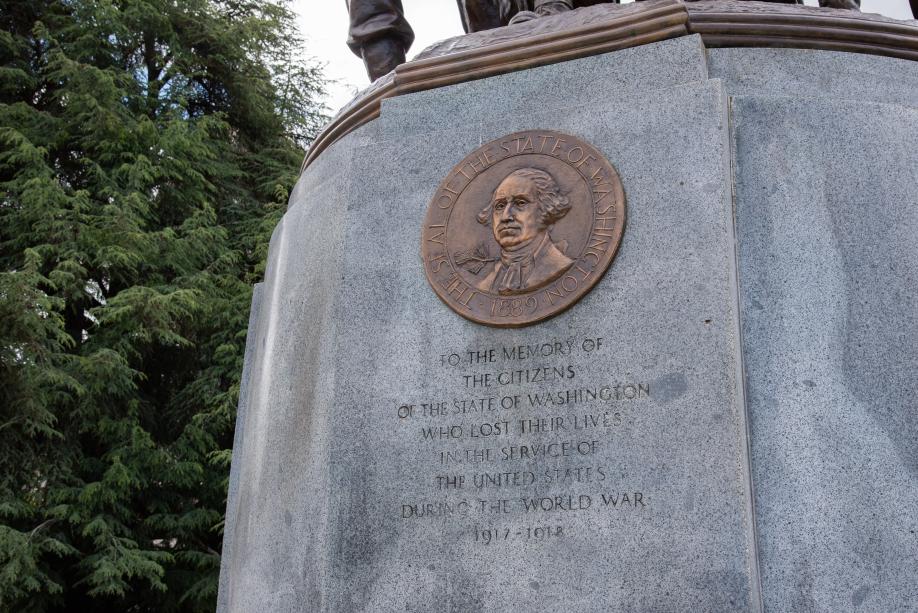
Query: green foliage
(147, 149)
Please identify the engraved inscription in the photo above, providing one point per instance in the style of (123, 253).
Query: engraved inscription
(516, 446)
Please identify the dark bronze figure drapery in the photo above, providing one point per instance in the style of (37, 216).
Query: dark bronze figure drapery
(379, 34)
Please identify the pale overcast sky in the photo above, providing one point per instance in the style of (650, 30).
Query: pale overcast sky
(324, 25)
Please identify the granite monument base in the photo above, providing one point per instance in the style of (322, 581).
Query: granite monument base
(726, 422)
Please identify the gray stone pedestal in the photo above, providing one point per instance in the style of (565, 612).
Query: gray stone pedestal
(737, 397)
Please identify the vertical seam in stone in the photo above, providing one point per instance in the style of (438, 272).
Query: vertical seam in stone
(705, 59)
(755, 576)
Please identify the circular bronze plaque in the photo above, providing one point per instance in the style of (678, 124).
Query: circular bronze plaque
(522, 228)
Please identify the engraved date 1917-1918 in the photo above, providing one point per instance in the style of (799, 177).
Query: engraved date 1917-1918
(490, 534)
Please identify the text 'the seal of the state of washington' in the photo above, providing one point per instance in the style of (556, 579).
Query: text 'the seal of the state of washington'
(522, 228)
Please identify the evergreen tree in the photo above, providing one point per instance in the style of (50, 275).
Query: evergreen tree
(147, 148)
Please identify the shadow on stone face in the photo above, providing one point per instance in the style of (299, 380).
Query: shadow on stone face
(875, 222)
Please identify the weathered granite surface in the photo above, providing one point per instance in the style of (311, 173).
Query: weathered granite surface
(351, 332)
(809, 73)
(280, 504)
(232, 506)
(772, 216)
(827, 219)
(681, 448)
(604, 80)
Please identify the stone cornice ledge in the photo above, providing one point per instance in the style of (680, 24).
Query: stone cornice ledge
(760, 24)
(609, 27)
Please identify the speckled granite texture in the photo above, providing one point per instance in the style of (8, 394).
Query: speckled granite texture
(772, 218)
(827, 217)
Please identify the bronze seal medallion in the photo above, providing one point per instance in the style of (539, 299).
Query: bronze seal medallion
(522, 228)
